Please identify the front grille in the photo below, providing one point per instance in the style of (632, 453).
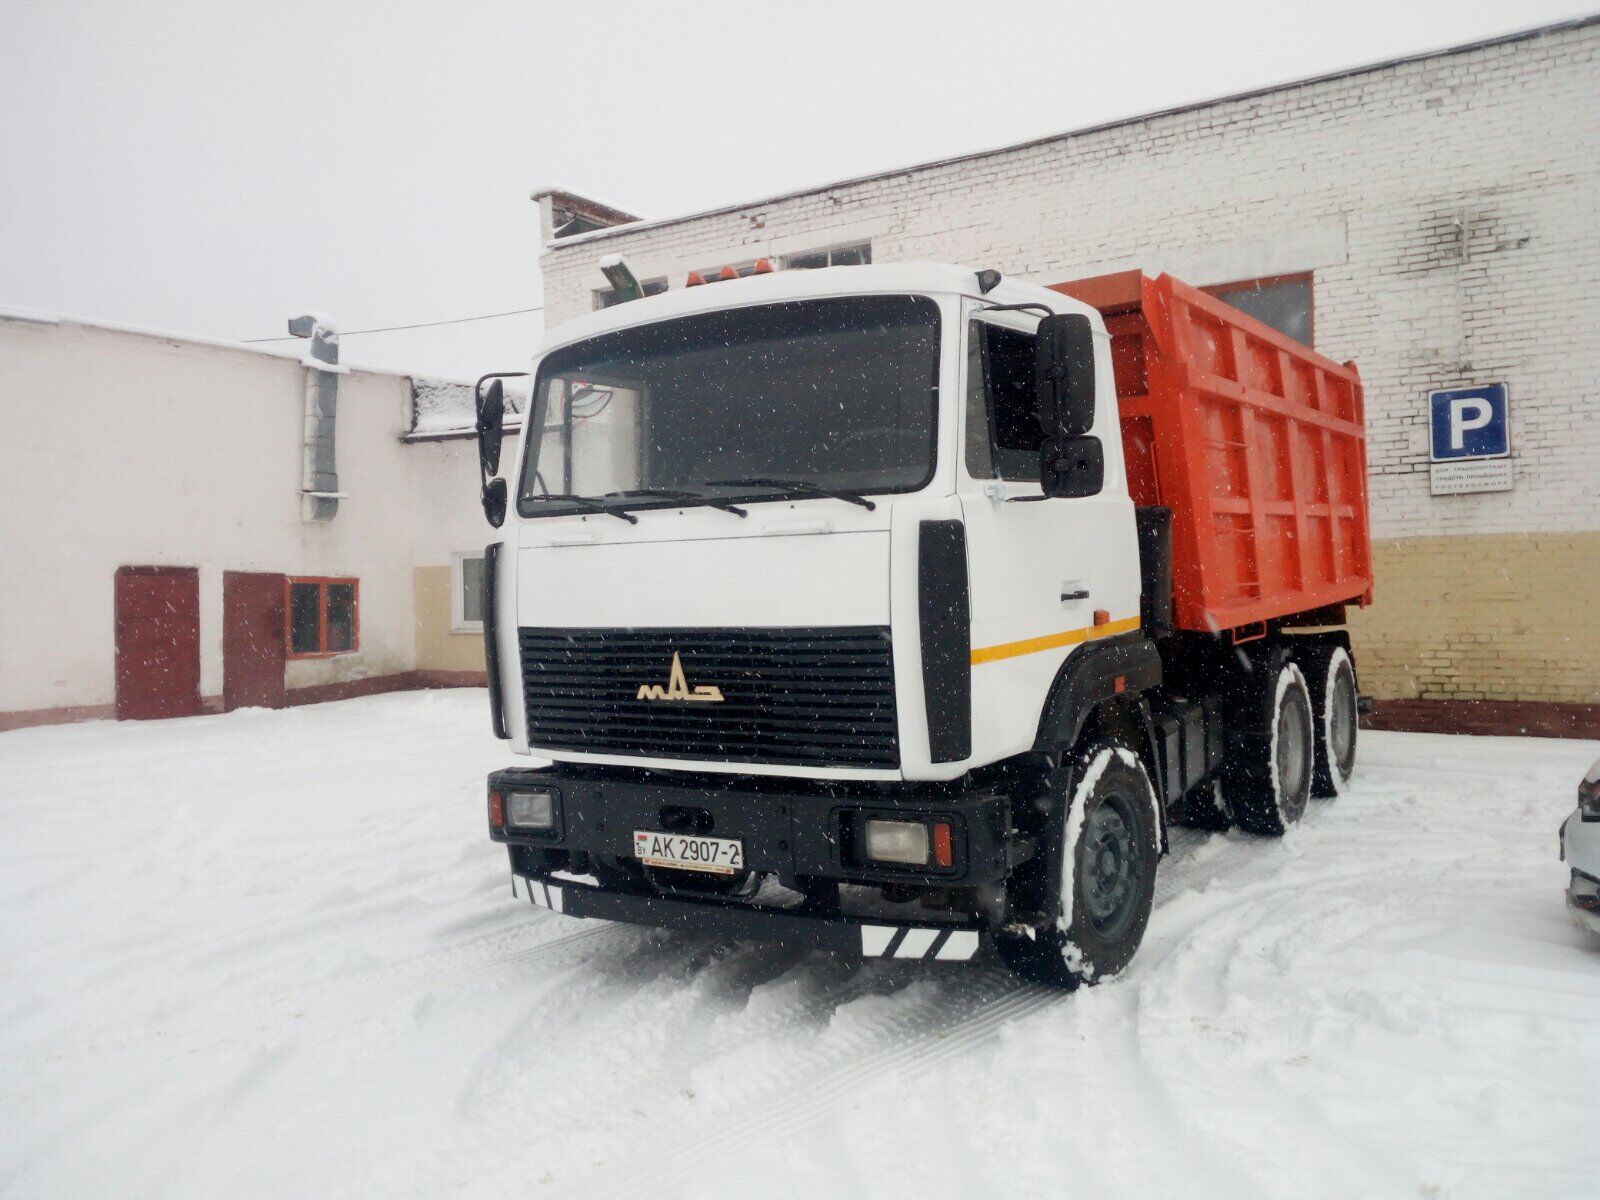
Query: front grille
(791, 697)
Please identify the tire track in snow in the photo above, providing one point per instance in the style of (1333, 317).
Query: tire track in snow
(736, 996)
(321, 1009)
(972, 1010)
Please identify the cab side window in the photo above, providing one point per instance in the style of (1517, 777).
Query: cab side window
(1003, 433)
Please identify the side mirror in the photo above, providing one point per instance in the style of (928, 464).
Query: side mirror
(491, 413)
(494, 502)
(1072, 467)
(1063, 370)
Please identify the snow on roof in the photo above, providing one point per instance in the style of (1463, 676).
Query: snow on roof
(444, 408)
(441, 408)
(292, 349)
(9, 312)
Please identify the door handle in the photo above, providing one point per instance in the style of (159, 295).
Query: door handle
(1080, 594)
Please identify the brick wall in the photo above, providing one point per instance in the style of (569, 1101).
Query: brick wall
(1449, 208)
(1487, 617)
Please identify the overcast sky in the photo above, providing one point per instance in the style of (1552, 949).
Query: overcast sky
(208, 167)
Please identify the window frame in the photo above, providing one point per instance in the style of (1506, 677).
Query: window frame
(538, 423)
(322, 582)
(458, 598)
(787, 260)
(1220, 291)
(976, 316)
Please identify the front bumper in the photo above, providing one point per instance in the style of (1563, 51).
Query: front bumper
(845, 936)
(799, 834)
(1583, 897)
(792, 829)
(1580, 850)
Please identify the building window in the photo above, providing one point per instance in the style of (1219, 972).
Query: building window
(466, 592)
(323, 617)
(1003, 434)
(840, 256)
(1281, 301)
(606, 297)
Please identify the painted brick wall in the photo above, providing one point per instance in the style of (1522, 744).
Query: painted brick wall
(1449, 208)
(1486, 617)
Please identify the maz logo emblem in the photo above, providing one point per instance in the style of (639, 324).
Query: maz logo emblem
(678, 688)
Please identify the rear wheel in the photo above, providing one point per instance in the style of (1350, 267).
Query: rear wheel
(1107, 846)
(1267, 776)
(1331, 676)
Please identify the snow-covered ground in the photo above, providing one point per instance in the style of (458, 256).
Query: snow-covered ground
(273, 954)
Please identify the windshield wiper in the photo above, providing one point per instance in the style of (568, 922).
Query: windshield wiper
(590, 504)
(680, 494)
(797, 485)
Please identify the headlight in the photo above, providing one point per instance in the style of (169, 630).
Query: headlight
(530, 810)
(898, 842)
(915, 843)
(1589, 795)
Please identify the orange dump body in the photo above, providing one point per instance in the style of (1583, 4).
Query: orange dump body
(1255, 442)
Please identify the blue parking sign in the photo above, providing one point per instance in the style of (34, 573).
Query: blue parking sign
(1469, 423)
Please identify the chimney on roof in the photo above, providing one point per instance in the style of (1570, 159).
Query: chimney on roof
(564, 214)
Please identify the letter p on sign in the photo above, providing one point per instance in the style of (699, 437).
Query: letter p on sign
(1467, 413)
(1469, 423)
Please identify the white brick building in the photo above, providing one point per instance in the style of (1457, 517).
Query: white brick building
(1447, 211)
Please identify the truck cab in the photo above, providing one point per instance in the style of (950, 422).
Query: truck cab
(824, 595)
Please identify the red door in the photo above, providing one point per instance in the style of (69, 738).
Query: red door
(158, 642)
(252, 640)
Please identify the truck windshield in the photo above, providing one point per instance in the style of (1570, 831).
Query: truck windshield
(838, 394)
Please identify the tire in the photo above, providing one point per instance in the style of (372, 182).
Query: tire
(1267, 775)
(1331, 676)
(1102, 863)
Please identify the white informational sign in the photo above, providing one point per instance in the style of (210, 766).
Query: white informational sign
(1469, 440)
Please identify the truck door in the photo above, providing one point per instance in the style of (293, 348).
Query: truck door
(1039, 568)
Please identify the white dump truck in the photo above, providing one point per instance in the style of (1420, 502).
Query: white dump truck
(898, 609)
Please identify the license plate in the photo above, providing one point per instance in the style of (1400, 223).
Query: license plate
(685, 852)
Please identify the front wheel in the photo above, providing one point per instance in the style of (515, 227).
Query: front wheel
(1107, 846)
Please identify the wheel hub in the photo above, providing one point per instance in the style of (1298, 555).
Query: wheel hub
(1110, 867)
(1342, 735)
(1294, 753)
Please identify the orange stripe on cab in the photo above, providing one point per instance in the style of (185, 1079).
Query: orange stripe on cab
(1052, 641)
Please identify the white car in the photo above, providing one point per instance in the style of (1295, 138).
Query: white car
(1580, 849)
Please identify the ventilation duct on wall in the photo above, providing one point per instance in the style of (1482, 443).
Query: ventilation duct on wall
(319, 484)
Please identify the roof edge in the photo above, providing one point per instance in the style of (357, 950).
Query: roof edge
(639, 226)
(293, 356)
